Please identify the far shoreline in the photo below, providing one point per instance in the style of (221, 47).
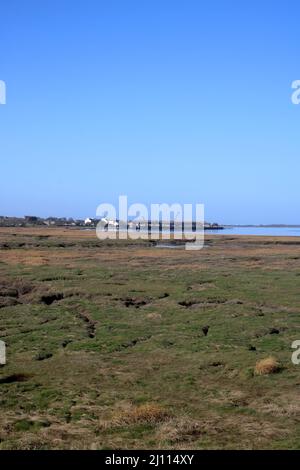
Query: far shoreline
(89, 233)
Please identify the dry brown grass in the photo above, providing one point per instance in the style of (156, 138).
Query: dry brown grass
(147, 413)
(128, 414)
(180, 430)
(288, 410)
(266, 366)
(154, 316)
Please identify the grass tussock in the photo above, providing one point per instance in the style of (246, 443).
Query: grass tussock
(148, 413)
(267, 366)
(154, 316)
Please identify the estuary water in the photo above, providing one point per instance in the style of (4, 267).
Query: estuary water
(263, 231)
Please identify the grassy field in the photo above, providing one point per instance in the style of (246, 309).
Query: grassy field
(123, 345)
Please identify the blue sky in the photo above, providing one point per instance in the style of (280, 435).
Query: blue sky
(164, 101)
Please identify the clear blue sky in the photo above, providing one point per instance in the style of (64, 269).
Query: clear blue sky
(162, 100)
